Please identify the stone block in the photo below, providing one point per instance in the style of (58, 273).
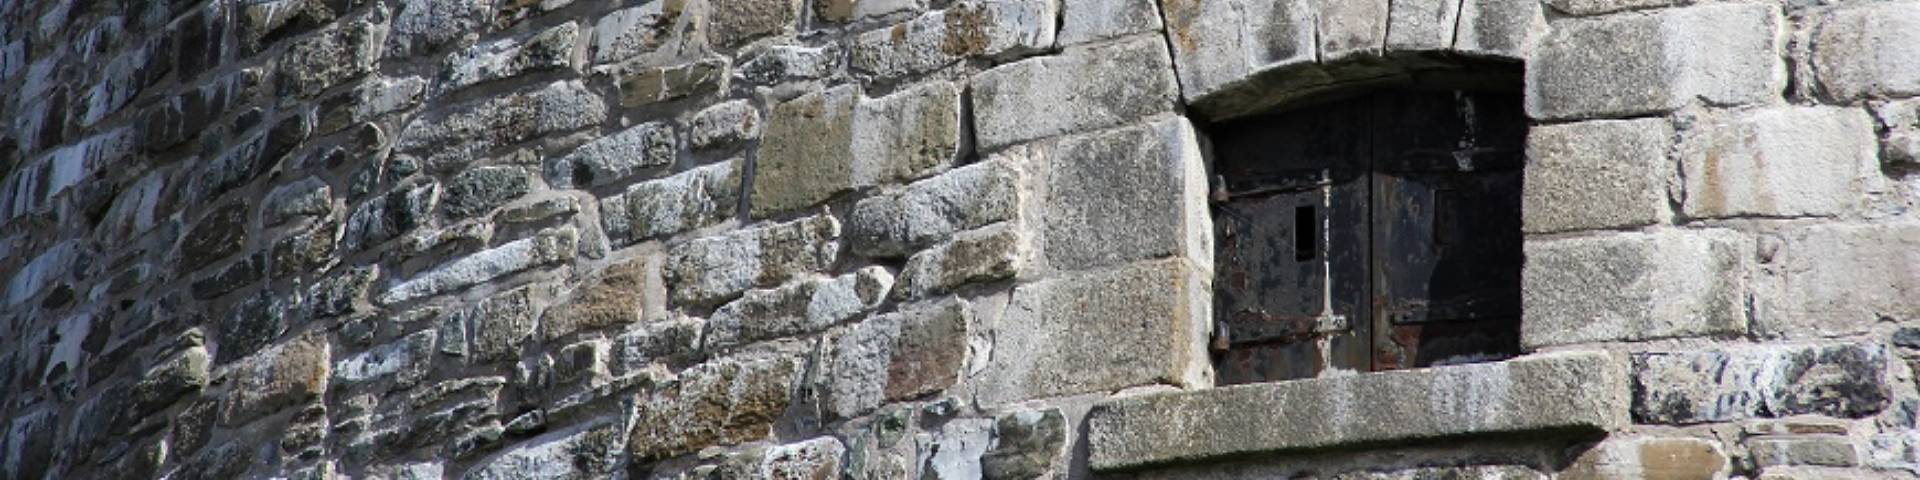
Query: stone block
(371, 99)
(713, 269)
(1809, 450)
(221, 233)
(547, 247)
(1564, 393)
(609, 300)
(796, 308)
(650, 85)
(405, 361)
(1085, 21)
(1900, 133)
(617, 157)
(572, 454)
(995, 29)
(1838, 280)
(737, 22)
(47, 267)
(425, 26)
(845, 11)
(1632, 287)
(1870, 50)
(1026, 444)
(287, 375)
(547, 50)
(1632, 457)
(1083, 88)
(650, 31)
(308, 197)
(478, 190)
(1220, 44)
(1421, 25)
(1760, 381)
(903, 221)
(250, 324)
(898, 356)
(388, 216)
(1779, 162)
(170, 379)
(1102, 331)
(469, 131)
(335, 55)
(815, 458)
(909, 134)
(1500, 28)
(976, 256)
(693, 199)
(719, 403)
(806, 155)
(1635, 65)
(1597, 175)
(500, 325)
(724, 125)
(1123, 195)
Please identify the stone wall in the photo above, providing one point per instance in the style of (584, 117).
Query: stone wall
(914, 239)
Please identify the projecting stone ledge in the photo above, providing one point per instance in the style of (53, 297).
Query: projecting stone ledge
(1556, 393)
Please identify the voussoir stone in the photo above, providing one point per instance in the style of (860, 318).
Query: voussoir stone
(1564, 393)
(1633, 286)
(1636, 65)
(998, 29)
(1083, 88)
(896, 356)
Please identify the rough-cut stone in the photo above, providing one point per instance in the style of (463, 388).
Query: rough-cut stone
(685, 201)
(308, 197)
(1500, 28)
(1650, 457)
(1025, 444)
(998, 29)
(341, 293)
(469, 131)
(538, 210)
(1351, 27)
(368, 101)
(550, 49)
(1812, 450)
(1632, 65)
(1559, 392)
(719, 403)
(806, 156)
(1221, 44)
(742, 21)
(708, 270)
(233, 276)
(1830, 281)
(170, 379)
(330, 58)
(1083, 88)
(305, 250)
(1140, 190)
(724, 125)
(644, 30)
(286, 375)
(1418, 25)
(1779, 162)
(931, 210)
(405, 360)
(607, 301)
(907, 135)
(1900, 137)
(479, 190)
(29, 445)
(1103, 331)
(580, 454)
(1633, 286)
(423, 26)
(1083, 21)
(674, 343)
(780, 64)
(649, 85)
(613, 158)
(797, 308)
(897, 356)
(977, 256)
(221, 233)
(1765, 381)
(250, 324)
(500, 324)
(815, 458)
(1597, 175)
(548, 247)
(1868, 51)
(387, 216)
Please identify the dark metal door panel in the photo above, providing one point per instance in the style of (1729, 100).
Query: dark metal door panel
(1446, 267)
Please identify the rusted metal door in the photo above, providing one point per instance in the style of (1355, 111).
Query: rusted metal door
(1375, 233)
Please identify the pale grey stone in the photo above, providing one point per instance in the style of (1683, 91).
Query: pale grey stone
(469, 131)
(34, 185)
(778, 64)
(688, 200)
(1632, 287)
(1814, 450)
(846, 11)
(737, 22)
(573, 454)
(538, 210)
(931, 210)
(644, 31)
(1568, 391)
(1351, 27)
(477, 191)
(1083, 88)
(954, 450)
(814, 458)
(550, 49)
(1900, 137)
(713, 269)
(381, 96)
(977, 256)
(669, 342)
(1142, 324)
(1218, 44)
(1083, 21)
(423, 26)
(172, 378)
(1633, 65)
(388, 216)
(896, 356)
(1830, 281)
(305, 198)
(1759, 381)
(806, 156)
(547, 247)
(646, 85)
(500, 324)
(1026, 444)
(1123, 195)
(724, 125)
(1501, 28)
(998, 29)
(1596, 175)
(796, 308)
(1779, 162)
(1422, 25)
(405, 360)
(907, 135)
(331, 57)
(1869, 50)
(614, 158)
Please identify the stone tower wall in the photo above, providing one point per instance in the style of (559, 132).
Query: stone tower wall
(890, 239)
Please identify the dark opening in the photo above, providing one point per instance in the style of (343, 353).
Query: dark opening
(1405, 246)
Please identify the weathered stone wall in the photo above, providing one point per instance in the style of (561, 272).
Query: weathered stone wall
(913, 239)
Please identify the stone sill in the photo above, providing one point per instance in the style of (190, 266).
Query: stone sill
(1555, 393)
